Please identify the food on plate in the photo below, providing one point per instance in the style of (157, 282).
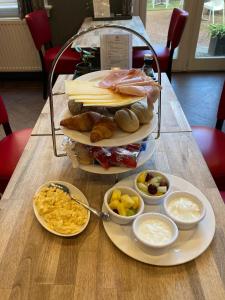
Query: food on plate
(124, 204)
(152, 183)
(89, 93)
(124, 156)
(101, 127)
(59, 211)
(132, 82)
(184, 208)
(127, 120)
(83, 154)
(144, 114)
(74, 108)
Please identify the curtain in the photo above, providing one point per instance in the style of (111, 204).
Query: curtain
(26, 6)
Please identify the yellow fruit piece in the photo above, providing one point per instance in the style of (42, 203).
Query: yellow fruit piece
(136, 202)
(116, 194)
(121, 209)
(127, 201)
(141, 177)
(114, 204)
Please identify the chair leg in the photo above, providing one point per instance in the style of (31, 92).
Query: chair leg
(45, 85)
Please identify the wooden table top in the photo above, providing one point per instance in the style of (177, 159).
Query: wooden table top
(35, 264)
(173, 118)
(92, 39)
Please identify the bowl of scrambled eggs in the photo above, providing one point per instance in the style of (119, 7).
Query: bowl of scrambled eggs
(57, 212)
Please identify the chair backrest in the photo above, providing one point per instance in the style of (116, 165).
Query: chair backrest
(38, 24)
(221, 109)
(4, 120)
(176, 28)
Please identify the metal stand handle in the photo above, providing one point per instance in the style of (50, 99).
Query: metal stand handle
(66, 46)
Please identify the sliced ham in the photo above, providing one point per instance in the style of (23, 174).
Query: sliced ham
(132, 82)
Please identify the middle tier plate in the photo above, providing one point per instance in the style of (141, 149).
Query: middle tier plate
(119, 138)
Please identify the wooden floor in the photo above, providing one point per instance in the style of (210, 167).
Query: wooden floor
(198, 94)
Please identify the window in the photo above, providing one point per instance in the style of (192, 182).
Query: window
(8, 8)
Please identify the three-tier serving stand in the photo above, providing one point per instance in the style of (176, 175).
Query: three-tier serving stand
(68, 44)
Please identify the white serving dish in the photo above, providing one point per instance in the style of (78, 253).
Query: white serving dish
(120, 137)
(182, 223)
(116, 217)
(148, 229)
(152, 199)
(74, 191)
(144, 156)
(190, 243)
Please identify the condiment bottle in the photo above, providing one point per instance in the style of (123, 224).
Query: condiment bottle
(147, 67)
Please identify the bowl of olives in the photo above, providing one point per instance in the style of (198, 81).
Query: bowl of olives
(124, 204)
(152, 185)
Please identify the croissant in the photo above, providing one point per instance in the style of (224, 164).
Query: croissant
(102, 130)
(81, 122)
(101, 127)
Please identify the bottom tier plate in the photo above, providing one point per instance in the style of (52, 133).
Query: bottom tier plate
(189, 245)
(143, 158)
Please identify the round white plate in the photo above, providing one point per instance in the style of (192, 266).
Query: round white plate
(119, 138)
(143, 157)
(74, 191)
(189, 245)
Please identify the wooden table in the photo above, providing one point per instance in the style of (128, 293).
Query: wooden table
(173, 118)
(92, 39)
(35, 264)
(38, 265)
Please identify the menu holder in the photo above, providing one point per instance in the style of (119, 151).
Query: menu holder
(116, 51)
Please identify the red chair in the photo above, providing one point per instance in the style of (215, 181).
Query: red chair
(165, 54)
(211, 142)
(11, 147)
(38, 24)
(222, 193)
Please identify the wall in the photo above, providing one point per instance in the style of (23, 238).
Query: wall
(66, 18)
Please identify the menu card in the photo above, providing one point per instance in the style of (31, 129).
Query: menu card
(116, 51)
(101, 8)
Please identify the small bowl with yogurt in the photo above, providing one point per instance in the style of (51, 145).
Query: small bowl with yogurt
(185, 209)
(155, 230)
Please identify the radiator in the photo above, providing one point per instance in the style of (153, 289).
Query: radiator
(17, 49)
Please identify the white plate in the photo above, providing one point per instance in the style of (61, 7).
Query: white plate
(143, 158)
(119, 138)
(74, 191)
(189, 245)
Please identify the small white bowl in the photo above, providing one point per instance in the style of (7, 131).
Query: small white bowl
(116, 217)
(155, 230)
(152, 199)
(181, 211)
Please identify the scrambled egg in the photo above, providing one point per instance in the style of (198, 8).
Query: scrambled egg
(59, 211)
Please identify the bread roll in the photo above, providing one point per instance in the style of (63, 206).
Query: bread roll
(143, 113)
(127, 120)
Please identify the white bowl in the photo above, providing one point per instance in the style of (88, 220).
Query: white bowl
(116, 217)
(152, 199)
(155, 230)
(185, 209)
(74, 191)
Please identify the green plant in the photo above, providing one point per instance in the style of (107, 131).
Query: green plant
(217, 30)
(86, 56)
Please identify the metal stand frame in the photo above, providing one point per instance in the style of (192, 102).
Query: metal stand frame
(66, 46)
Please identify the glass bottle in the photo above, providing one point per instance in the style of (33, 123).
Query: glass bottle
(148, 66)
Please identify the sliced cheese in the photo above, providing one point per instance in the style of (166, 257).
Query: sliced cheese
(82, 87)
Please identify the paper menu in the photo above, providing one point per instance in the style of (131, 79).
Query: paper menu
(101, 8)
(116, 51)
